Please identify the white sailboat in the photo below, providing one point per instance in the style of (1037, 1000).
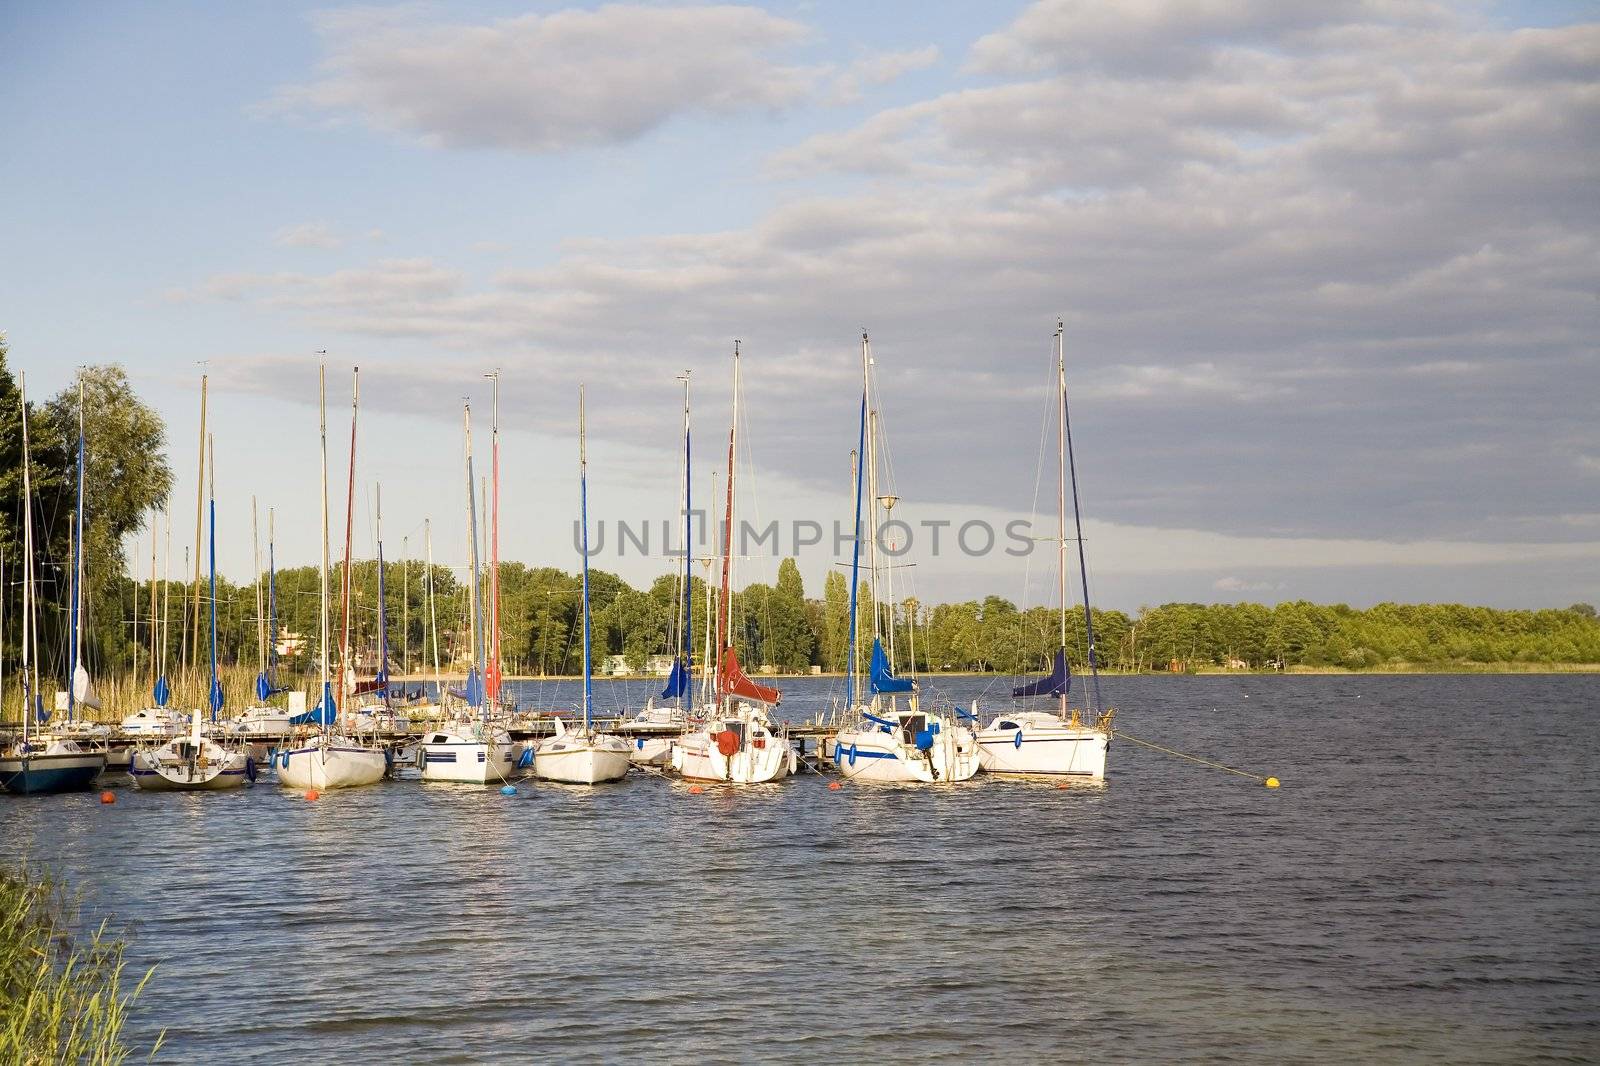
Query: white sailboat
(737, 742)
(471, 747)
(656, 726)
(1057, 744)
(331, 758)
(583, 756)
(888, 740)
(33, 763)
(197, 762)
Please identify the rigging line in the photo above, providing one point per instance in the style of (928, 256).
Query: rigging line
(1120, 735)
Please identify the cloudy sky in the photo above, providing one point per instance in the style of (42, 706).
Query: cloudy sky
(1328, 271)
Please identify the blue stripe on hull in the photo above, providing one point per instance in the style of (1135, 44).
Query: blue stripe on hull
(34, 781)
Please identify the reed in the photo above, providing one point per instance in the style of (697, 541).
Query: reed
(61, 999)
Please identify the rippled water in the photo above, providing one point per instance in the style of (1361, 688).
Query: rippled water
(1423, 888)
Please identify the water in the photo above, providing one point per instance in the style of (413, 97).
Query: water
(1423, 888)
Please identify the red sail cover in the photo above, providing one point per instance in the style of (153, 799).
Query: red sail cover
(731, 681)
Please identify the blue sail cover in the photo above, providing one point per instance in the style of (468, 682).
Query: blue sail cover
(264, 688)
(216, 698)
(163, 691)
(474, 689)
(1056, 683)
(883, 679)
(42, 714)
(677, 683)
(317, 715)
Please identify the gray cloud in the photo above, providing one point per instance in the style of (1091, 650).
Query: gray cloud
(1324, 278)
(543, 83)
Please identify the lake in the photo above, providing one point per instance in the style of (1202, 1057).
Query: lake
(1424, 887)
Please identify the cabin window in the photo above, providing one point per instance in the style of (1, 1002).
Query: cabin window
(1008, 725)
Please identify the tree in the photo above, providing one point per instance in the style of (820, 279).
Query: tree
(790, 642)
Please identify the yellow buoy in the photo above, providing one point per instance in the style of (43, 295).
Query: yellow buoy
(1272, 782)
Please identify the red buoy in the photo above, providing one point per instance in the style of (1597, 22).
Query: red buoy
(834, 786)
(108, 797)
(312, 794)
(695, 790)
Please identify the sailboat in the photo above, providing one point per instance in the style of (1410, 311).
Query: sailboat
(331, 758)
(582, 756)
(738, 742)
(669, 719)
(1058, 743)
(261, 718)
(33, 763)
(472, 746)
(889, 740)
(196, 762)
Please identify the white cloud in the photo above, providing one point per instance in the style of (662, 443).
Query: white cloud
(308, 235)
(880, 68)
(543, 83)
(1239, 584)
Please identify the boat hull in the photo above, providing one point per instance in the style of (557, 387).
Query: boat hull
(650, 751)
(468, 762)
(698, 758)
(885, 758)
(1059, 751)
(335, 765)
(152, 774)
(41, 774)
(572, 761)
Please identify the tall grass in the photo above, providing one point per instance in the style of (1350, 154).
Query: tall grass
(61, 1000)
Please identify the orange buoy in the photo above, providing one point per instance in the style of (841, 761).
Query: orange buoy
(835, 786)
(312, 794)
(695, 790)
(1063, 785)
(108, 797)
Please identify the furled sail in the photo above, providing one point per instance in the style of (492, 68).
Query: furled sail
(1056, 683)
(83, 689)
(731, 681)
(677, 683)
(882, 676)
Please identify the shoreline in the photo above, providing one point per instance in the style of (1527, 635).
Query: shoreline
(1211, 671)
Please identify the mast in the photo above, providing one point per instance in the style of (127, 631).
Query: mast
(477, 616)
(855, 554)
(345, 668)
(492, 674)
(77, 573)
(708, 663)
(1077, 522)
(724, 635)
(405, 609)
(383, 616)
(261, 618)
(686, 635)
(433, 617)
(199, 511)
(30, 683)
(583, 510)
(155, 628)
(272, 599)
(1061, 497)
(160, 691)
(215, 697)
(329, 709)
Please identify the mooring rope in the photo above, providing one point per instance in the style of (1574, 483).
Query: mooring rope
(1270, 782)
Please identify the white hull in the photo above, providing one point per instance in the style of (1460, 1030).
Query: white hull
(169, 769)
(758, 756)
(155, 722)
(338, 763)
(581, 759)
(260, 721)
(452, 757)
(651, 751)
(871, 754)
(1045, 746)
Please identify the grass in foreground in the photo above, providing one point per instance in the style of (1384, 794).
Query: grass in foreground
(61, 1000)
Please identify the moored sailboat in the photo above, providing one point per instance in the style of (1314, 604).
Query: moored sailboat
(1058, 743)
(737, 742)
(583, 756)
(32, 763)
(888, 741)
(330, 758)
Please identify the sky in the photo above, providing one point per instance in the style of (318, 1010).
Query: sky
(1328, 275)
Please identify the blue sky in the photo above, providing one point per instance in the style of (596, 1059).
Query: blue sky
(1328, 273)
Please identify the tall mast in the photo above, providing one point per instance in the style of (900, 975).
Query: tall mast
(870, 459)
(329, 707)
(405, 608)
(687, 628)
(272, 598)
(709, 662)
(855, 551)
(199, 512)
(77, 573)
(215, 690)
(160, 691)
(583, 510)
(30, 683)
(492, 674)
(155, 628)
(724, 634)
(1077, 522)
(1061, 497)
(477, 615)
(349, 525)
(261, 618)
(433, 617)
(383, 616)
